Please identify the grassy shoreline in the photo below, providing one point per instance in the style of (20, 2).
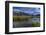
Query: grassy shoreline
(21, 18)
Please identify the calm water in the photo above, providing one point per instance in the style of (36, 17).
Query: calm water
(26, 23)
(35, 19)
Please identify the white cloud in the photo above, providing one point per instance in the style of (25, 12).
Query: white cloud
(16, 10)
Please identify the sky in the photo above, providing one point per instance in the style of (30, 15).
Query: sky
(29, 10)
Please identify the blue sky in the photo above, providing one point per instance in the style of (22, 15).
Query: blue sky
(29, 10)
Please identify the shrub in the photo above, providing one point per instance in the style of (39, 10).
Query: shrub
(35, 24)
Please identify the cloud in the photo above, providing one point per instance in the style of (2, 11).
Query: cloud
(16, 10)
(27, 10)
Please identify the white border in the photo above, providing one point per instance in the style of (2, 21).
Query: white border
(11, 29)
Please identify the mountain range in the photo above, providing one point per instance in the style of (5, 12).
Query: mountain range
(23, 13)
